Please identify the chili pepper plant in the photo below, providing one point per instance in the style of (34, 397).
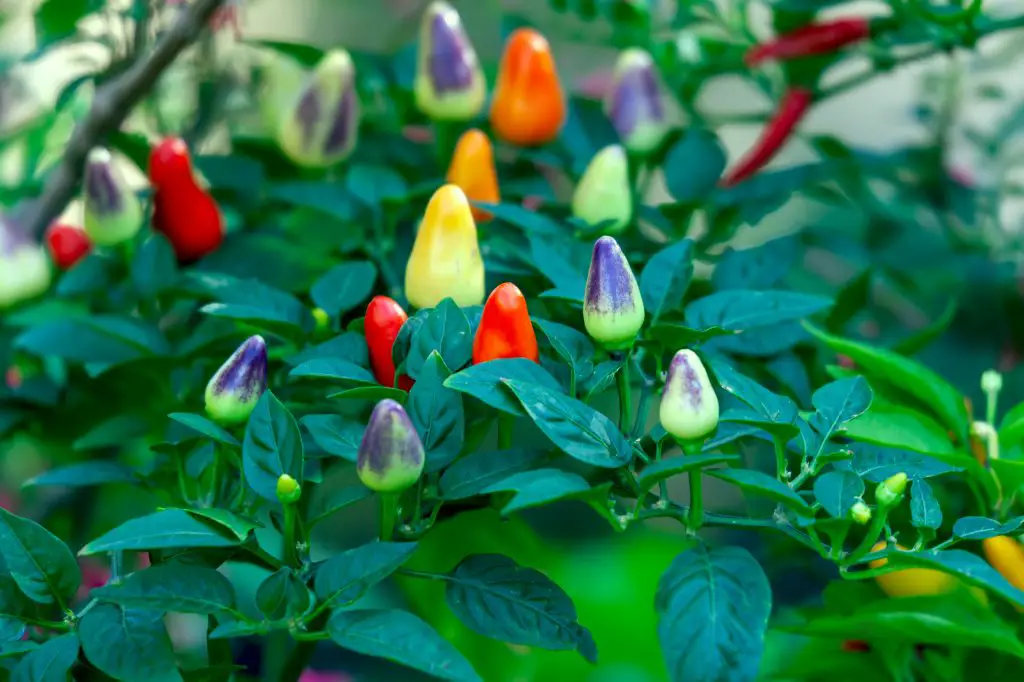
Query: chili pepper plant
(396, 365)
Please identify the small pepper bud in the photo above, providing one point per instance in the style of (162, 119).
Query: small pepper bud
(321, 319)
(472, 169)
(991, 381)
(634, 103)
(613, 310)
(890, 491)
(860, 512)
(445, 261)
(449, 83)
(323, 121)
(528, 107)
(113, 213)
(24, 267)
(391, 454)
(603, 196)
(236, 387)
(383, 321)
(288, 489)
(689, 406)
(505, 329)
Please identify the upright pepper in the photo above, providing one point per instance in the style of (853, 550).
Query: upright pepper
(445, 261)
(391, 454)
(505, 329)
(472, 169)
(792, 108)
(689, 406)
(528, 108)
(322, 123)
(24, 268)
(113, 213)
(67, 245)
(613, 310)
(603, 195)
(449, 83)
(815, 39)
(183, 211)
(634, 103)
(384, 319)
(235, 388)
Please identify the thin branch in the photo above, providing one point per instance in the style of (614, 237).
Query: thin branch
(111, 106)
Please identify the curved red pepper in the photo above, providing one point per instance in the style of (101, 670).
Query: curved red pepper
(814, 39)
(384, 319)
(792, 108)
(505, 329)
(182, 209)
(67, 245)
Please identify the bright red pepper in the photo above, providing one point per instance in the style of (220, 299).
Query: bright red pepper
(67, 244)
(792, 109)
(814, 39)
(182, 208)
(384, 319)
(505, 329)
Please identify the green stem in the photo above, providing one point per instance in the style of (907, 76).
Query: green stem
(300, 656)
(870, 537)
(781, 471)
(659, 448)
(696, 499)
(290, 553)
(116, 566)
(622, 379)
(388, 515)
(506, 424)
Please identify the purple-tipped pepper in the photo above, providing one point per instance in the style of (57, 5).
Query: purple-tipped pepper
(234, 390)
(613, 310)
(689, 406)
(449, 83)
(113, 213)
(391, 454)
(634, 103)
(24, 268)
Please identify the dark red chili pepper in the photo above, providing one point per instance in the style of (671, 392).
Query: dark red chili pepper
(811, 40)
(856, 646)
(792, 108)
(67, 244)
(384, 319)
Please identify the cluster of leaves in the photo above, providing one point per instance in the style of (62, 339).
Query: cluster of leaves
(112, 366)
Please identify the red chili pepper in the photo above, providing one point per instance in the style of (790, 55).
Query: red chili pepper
(182, 208)
(505, 329)
(811, 40)
(67, 244)
(856, 646)
(792, 108)
(384, 319)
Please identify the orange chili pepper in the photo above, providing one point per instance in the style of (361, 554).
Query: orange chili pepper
(472, 169)
(505, 329)
(528, 108)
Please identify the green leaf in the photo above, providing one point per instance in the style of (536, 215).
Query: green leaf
(673, 466)
(1011, 429)
(58, 19)
(772, 412)
(666, 277)
(530, 222)
(922, 337)
(445, 330)
(693, 165)
(877, 464)
(970, 568)
(99, 339)
(850, 300)
(128, 644)
(333, 369)
(43, 567)
(282, 594)
(477, 471)
(154, 268)
(168, 529)
(485, 382)
(760, 267)
(238, 526)
(576, 429)
(497, 598)
(713, 607)
(349, 345)
(740, 309)
(437, 414)
(374, 185)
(346, 577)
(544, 486)
(82, 475)
(334, 434)
(50, 662)
(373, 394)
(916, 379)
(401, 637)
(344, 287)
(204, 426)
(837, 491)
(676, 336)
(272, 447)
(835, 404)
(116, 431)
(760, 483)
(181, 588)
(979, 527)
(244, 628)
(336, 501)
(925, 511)
(902, 427)
(571, 345)
(327, 197)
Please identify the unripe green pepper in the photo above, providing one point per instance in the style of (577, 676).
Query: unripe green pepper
(603, 195)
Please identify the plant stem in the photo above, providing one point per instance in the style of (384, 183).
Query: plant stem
(506, 424)
(388, 515)
(659, 449)
(870, 537)
(696, 517)
(300, 656)
(622, 379)
(291, 555)
(781, 471)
